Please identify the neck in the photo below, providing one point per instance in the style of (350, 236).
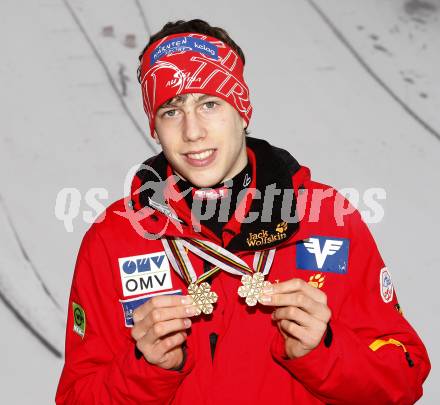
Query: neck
(214, 206)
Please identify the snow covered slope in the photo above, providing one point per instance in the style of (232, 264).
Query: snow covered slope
(74, 119)
(397, 42)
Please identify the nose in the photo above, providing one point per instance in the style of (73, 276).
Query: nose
(193, 128)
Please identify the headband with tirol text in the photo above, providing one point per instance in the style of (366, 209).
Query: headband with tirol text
(192, 63)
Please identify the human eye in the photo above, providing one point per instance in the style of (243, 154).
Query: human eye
(169, 113)
(209, 105)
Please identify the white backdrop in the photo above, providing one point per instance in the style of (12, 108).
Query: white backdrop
(351, 88)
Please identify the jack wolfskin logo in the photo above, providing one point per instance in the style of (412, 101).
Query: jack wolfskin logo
(264, 237)
(281, 227)
(323, 254)
(317, 280)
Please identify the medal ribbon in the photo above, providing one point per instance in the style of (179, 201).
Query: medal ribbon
(263, 260)
(221, 258)
(200, 291)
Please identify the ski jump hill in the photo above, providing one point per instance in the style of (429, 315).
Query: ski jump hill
(350, 88)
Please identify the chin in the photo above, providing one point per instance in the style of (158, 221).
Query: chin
(204, 182)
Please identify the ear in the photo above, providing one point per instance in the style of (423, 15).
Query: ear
(156, 137)
(245, 126)
(244, 123)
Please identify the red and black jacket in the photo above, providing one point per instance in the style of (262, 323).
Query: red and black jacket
(370, 354)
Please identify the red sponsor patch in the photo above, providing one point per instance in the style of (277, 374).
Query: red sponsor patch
(210, 193)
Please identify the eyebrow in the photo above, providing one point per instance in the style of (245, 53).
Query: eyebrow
(181, 99)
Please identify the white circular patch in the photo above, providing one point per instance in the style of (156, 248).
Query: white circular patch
(386, 285)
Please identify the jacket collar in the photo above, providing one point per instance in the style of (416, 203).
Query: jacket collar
(273, 168)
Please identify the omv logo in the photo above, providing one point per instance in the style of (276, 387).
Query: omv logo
(143, 264)
(144, 274)
(324, 254)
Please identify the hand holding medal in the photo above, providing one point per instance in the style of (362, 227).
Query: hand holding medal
(253, 285)
(252, 280)
(159, 329)
(198, 289)
(302, 314)
(203, 297)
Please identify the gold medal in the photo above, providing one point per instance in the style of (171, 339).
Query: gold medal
(200, 291)
(203, 297)
(252, 288)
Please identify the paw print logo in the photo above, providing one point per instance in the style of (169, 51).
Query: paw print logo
(317, 280)
(281, 227)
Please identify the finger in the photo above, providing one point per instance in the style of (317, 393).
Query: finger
(298, 285)
(293, 330)
(168, 360)
(157, 315)
(297, 299)
(297, 315)
(168, 313)
(157, 353)
(310, 338)
(170, 342)
(161, 301)
(162, 329)
(300, 300)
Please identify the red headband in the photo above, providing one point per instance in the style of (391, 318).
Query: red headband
(192, 63)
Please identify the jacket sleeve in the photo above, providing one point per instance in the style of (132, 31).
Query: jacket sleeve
(100, 364)
(375, 356)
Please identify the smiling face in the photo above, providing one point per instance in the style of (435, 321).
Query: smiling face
(202, 137)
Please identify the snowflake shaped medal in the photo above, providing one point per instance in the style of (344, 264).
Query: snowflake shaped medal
(203, 297)
(252, 288)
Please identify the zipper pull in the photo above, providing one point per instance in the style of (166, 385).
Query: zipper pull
(409, 360)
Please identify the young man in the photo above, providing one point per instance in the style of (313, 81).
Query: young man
(228, 276)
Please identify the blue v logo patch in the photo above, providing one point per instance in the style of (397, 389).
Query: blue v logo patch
(320, 253)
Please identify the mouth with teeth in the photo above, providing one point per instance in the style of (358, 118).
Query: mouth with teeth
(201, 158)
